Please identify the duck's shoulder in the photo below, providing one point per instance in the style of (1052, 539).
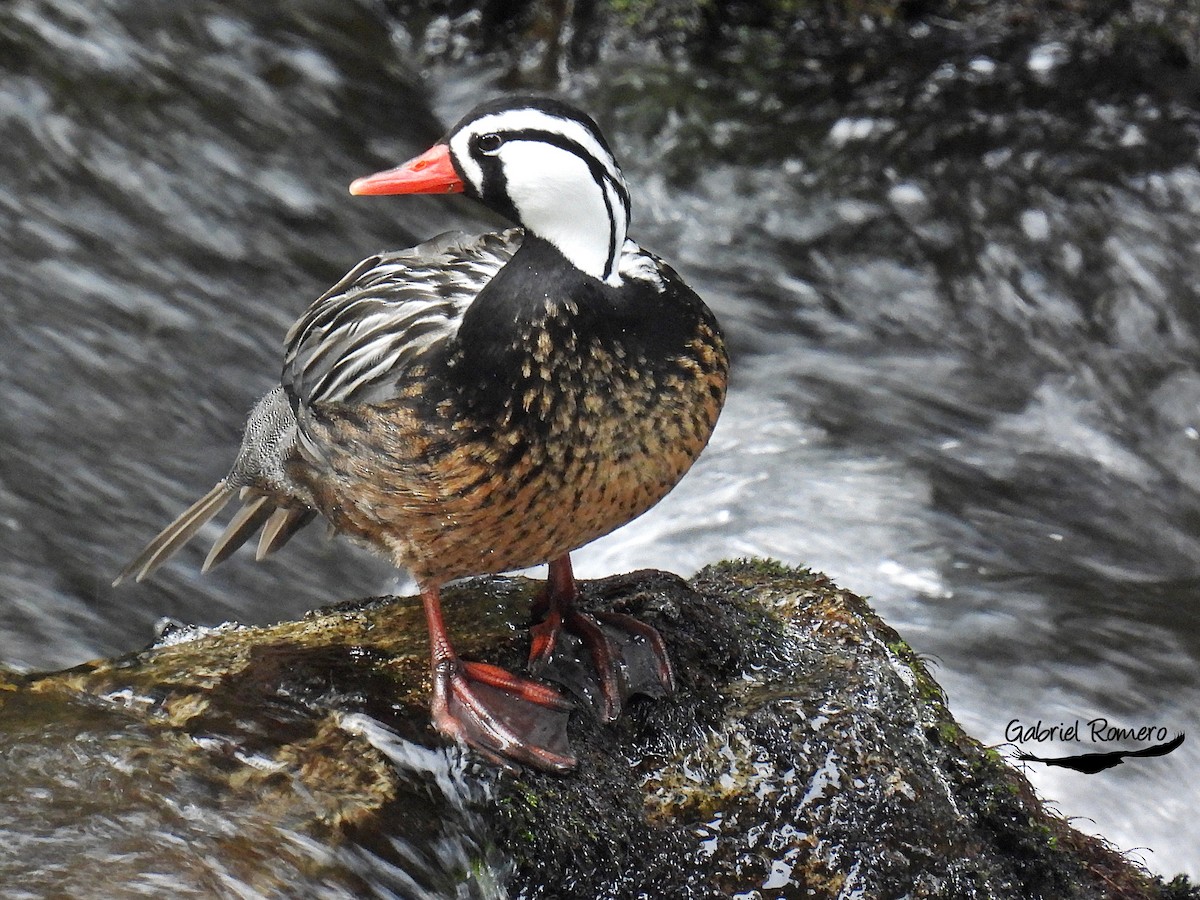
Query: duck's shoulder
(650, 289)
(643, 269)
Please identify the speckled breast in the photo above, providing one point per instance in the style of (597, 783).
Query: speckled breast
(577, 438)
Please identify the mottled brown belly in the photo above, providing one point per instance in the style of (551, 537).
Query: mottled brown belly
(586, 446)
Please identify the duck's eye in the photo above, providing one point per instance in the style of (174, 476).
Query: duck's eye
(489, 143)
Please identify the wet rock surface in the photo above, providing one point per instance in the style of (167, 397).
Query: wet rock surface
(806, 753)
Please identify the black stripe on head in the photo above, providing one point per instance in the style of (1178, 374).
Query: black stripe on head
(552, 107)
(597, 169)
(554, 138)
(495, 188)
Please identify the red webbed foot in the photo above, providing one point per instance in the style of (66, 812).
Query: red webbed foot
(505, 717)
(629, 656)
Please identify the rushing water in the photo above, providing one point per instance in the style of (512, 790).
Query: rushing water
(959, 279)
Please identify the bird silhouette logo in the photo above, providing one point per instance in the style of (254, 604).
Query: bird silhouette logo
(1091, 763)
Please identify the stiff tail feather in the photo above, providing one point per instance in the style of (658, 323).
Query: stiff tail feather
(278, 524)
(284, 522)
(178, 533)
(246, 521)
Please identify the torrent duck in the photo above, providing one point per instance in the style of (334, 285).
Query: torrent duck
(478, 404)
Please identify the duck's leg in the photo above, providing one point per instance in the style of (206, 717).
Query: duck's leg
(505, 717)
(637, 648)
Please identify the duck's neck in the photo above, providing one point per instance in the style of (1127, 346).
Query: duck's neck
(585, 221)
(539, 272)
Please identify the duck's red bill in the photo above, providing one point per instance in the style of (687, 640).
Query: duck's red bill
(430, 173)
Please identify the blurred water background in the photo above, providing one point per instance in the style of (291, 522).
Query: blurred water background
(957, 265)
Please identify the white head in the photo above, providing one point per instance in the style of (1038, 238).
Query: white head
(546, 166)
(539, 162)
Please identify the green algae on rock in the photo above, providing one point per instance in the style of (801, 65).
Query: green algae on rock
(806, 753)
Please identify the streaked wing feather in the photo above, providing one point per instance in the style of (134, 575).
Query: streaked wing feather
(382, 318)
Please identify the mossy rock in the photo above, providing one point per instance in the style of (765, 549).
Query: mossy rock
(806, 753)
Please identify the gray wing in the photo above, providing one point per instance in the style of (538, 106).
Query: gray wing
(357, 339)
